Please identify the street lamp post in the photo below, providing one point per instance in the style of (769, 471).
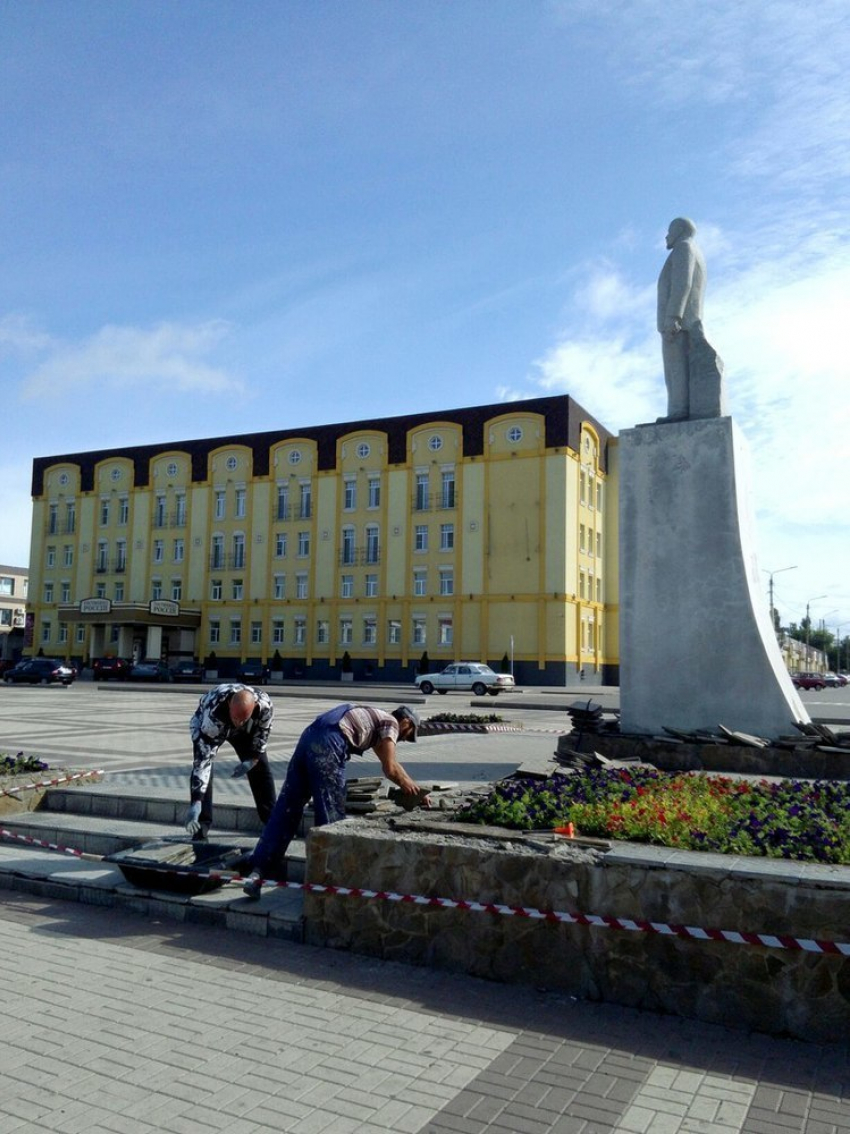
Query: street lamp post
(772, 573)
(808, 628)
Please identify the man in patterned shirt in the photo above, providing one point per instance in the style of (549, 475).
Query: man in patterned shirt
(242, 716)
(317, 769)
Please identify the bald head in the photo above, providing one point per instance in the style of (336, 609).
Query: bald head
(679, 228)
(241, 706)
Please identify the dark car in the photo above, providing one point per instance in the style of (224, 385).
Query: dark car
(115, 669)
(254, 673)
(40, 671)
(809, 681)
(188, 670)
(149, 671)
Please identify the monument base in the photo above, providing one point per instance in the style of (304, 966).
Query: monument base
(697, 647)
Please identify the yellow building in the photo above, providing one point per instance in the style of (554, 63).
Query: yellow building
(478, 534)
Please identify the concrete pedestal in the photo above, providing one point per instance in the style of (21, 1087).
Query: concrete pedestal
(697, 647)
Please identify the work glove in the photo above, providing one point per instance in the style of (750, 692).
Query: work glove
(192, 822)
(242, 769)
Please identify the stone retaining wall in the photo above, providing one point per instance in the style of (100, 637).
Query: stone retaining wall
(779, 991)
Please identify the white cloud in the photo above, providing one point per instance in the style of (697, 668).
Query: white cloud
(167, 356)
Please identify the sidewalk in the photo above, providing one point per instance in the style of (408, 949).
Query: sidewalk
(113, 1023)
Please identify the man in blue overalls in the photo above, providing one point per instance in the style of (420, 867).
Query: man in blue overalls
(317, 769)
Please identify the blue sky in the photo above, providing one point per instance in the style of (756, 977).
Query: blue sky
(226, 216)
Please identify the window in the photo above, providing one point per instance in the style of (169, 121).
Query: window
(7, 585)
(6, 617)
(80, 636)
(48, 592)
(599, 590)
(599, 545)
(305, 508)
(70, 516)
(322, 632)
(350, 495)
(280, 545)
(371, 586)
(52, 519)
(237, 589)
(51, 557)
(419, 632)
(121, 555)
(219, 504)
(420, 502)
(514, 434)
(235, 630)
(599, 496)
(176, 589)
(373, 544)
(100, 590)
(179, 550)
(303, 545)
(123, 510)
(447, 489)
(394, 632)
(447, 581)
(363, 450)
(104, 512)
(301, 585)
(158, 550)
(282, 510)
(295, 457)
(159, 512)
(102, 557)
(445, 631)
(346, 632)
(231, 463)
(300, 631)
(240, 503)
(420, 537)
(420, 577)
(238, 551)
(346, 587)
(374, 492)
(217, 553)
(277, 631)
(156, 589)
(215, 590)
(172, 469)
(215, 631)
(256, 633)
(68, 555)
(119, 591)
(347, 545)
(447, 537)
(370, 631)
(582, 541)
(582, 492)
(45, 631)
(582, 585)
(180, 510)
(65, 591)
(280, 586)
(435, 443)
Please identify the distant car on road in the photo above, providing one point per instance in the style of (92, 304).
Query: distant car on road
(188, 670)
(809, 680)
(40, 671)
(834, 680)
(150, 671)
(474, 677)
(254, 673)
(114, 669)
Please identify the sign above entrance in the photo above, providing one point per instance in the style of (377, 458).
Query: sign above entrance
(95, 606)
(165, 608)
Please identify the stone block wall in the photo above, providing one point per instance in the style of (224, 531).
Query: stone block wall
(779, 991)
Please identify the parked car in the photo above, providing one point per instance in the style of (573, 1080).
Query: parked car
(809, 680)
(40, 671)
(462, 676)
(188, 670)
(833, 681)
(6, 664)
(116, 669)
(254, 673)
(149, 671)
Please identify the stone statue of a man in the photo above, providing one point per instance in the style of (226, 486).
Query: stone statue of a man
(693, 372)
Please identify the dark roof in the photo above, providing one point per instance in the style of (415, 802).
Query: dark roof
(563, 417)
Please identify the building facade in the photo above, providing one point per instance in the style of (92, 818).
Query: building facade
(485, 533)
(14, 583)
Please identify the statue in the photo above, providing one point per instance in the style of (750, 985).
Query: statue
(693, 371)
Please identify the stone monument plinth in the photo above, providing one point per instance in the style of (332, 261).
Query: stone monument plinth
(697, 647)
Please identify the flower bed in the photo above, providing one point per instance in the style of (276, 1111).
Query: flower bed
(792, 819)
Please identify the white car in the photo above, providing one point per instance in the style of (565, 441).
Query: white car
(470, 676)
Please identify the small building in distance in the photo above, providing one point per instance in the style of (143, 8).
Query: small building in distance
(485, 533)
(14, 583)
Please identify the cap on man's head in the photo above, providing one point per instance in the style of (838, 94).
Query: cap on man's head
(405, 713)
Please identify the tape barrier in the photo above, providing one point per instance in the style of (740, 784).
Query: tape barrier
(49, 783)
(592, 921)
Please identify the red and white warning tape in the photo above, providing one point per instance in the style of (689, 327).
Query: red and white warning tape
(49, 783)
(592, 921)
